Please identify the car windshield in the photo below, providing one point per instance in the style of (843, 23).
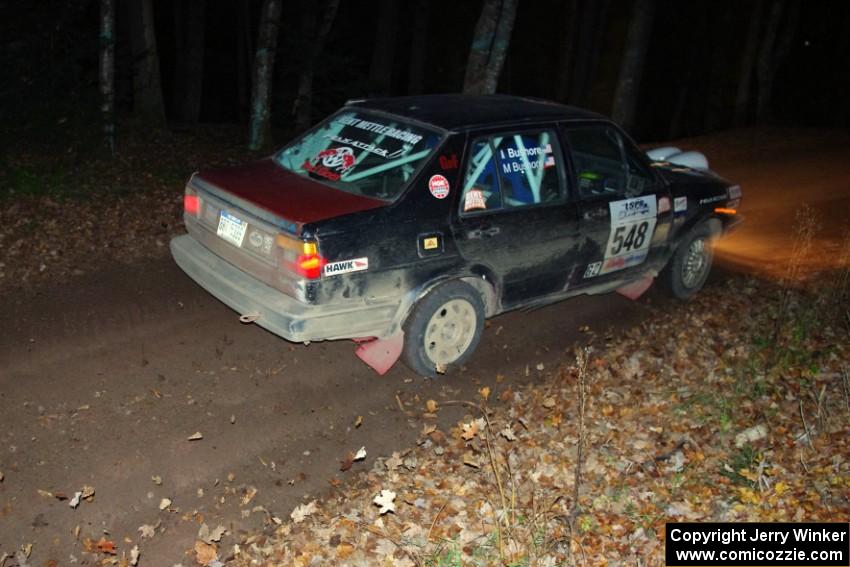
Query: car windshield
(370, 155)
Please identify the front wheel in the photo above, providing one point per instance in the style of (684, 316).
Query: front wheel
(444, 329)
(687, 270)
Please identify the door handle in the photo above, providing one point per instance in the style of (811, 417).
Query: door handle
(595, 214)
(481, 233)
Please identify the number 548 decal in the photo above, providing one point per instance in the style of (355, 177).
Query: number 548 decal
(632, 226)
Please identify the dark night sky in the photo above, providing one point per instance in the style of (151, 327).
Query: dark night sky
(50, 59)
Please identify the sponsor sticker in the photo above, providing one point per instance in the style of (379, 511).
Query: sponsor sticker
(474, 199)
(663, 204)
(592, 270)
(632, 226)
(680, 205)
(431, 243)
(714, 199)
(346, 266)
(438, 185)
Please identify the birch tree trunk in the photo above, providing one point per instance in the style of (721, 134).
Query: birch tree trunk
(147, 87)
(418, 47)
(489, 46)
(316, 42)
(383, 54)
(189, 68)
(107, 72)
(631, 69)
(745, 76)
(264, 74)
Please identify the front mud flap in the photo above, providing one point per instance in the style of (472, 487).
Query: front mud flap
(636, 289)
(380, 354)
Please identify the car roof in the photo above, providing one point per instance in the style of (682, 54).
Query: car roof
(463, 112)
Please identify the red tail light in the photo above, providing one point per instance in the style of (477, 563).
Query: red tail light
(191, 204)
(310, 265)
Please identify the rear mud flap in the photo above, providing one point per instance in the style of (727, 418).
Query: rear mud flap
(380, 354)
(636, 289)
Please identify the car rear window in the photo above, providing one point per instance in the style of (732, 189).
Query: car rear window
(370, 155)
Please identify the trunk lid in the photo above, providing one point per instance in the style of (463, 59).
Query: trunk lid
(253, 215)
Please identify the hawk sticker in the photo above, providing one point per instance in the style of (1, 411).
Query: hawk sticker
(346, 266)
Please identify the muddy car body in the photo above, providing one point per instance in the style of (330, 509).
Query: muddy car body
(408, 221)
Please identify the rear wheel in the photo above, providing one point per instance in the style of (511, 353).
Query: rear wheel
(444, 329)
(687, 270)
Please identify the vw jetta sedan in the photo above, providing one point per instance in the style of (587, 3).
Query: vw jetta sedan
(403, 223)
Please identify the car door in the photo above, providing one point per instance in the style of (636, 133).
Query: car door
(624, 207)
(513, 218)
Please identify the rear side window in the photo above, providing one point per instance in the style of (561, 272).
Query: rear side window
(512, 171)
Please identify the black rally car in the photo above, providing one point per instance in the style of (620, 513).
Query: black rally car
(403, 223)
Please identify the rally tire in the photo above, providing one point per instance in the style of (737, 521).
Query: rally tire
(686, 272)
(443, 329)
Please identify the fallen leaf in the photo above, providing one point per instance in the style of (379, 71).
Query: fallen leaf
(484, 392)
(301, 512)
(147, 531)
(508, 433)
(394, 461)
(208, 536)
(431, 406)
(103, 545)
(471, 459)
(75, 501)
(157, 480)
(469, 430)
(440, 368)
(134, 555)
(250, 492)
(195, 436)
(384, 501)
(347, 462)
(358, 422)
(205, 553)
(45, 493)
(164, 503)
(427, 430)
(87, 492)
(361, 454)
(540, 366)
(549, 403)
(2, 477)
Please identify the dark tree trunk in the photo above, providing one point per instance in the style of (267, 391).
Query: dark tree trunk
(244, 58)
(766, 61)
(745, 76)
(147, 87)
(566, 50)
(315, 41)
(489, 46)
(107, 72)
(418, 47)
(381, 69)
(592, 24)
(264, 74)
(189, 68)
(631, 69)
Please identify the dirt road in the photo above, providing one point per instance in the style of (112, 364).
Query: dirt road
(103, 383)
(104, 379)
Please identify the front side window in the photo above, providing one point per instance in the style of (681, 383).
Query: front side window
(511, 171)
(370, 155)
(604, 165)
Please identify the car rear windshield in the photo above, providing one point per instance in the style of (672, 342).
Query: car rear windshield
(370, 155)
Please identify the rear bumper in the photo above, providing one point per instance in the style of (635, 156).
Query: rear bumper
(279, 313)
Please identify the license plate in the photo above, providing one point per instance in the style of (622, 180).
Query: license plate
(231, 228)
